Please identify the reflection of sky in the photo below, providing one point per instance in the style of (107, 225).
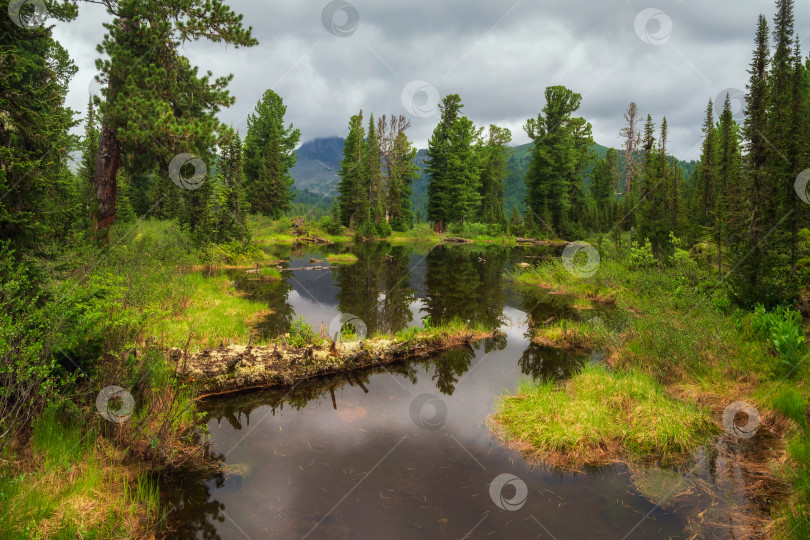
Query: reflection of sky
(305, 464)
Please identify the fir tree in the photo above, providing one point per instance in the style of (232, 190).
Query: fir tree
(755, 193)
(269, 155)
(559, 151)
(87, 165)
(352, 195)
(402, 172)
(653, 218)
(437, 163)
(372, 164)
(706, 174)
(728, 196)
(494, 153)
(38, 191)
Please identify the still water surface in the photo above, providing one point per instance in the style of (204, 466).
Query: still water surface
(405, 452)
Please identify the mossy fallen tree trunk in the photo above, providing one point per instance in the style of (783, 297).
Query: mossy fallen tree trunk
(237, 367)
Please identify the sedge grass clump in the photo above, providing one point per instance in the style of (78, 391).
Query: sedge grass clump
(567, 334)
(342, 258)
(601, 416)
(76, 486)
(268, 273)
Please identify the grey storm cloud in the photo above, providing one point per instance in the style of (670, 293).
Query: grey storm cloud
(670, 57)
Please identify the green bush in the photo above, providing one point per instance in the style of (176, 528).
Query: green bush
(365, 233)
(328, 224)
(383, 229)
(783, 328)
(642, 256)
(469, 229)
(301, 333)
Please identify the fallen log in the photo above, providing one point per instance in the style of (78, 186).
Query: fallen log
(313, 240)
(456, 240)
(536, 242)
(238, 367)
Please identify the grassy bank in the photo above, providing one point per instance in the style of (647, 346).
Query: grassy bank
(283, 232)
(75, 484)
(680, 353)
(66, 470)
(599, 416)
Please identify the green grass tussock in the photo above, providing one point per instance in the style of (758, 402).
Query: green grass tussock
(601, 416)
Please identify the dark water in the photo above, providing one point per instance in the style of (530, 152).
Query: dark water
(405, 452)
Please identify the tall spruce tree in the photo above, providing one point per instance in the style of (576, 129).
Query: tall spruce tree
(36, 186)
(87, 165)
(559, 150)
(269, 151)
(781, 126)
(728, 196)
(452, 166)
(436, 162)
(605, 178)
(352, 195)
(402, 171)
(494, 153)
(373, 175)
(653, 219)
(756, 194)
(230, 202)
(706, 175)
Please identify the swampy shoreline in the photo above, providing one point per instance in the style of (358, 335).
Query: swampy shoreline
(682, 372)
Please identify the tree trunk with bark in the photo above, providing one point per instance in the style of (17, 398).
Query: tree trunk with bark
(104, 181)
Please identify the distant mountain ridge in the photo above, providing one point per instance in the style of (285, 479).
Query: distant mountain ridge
(316, 171)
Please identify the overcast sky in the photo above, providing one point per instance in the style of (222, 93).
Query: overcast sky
(329, 59)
